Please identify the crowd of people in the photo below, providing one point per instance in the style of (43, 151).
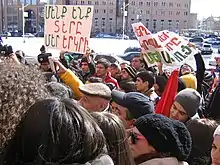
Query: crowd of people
(66, 112)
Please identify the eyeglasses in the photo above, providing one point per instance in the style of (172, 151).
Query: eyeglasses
(135, 137)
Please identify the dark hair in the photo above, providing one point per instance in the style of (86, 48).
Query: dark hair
(181, 85)
(43, 48)
(56, 131)
(202, 137)
(104, 62)
(115, 135)
(161, 81)
(95, 80)
(20, 87)
(146, 76)
(127, 86)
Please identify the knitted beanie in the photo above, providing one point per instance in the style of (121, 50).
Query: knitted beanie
(189, 99)
(131, 71)
(165, 135)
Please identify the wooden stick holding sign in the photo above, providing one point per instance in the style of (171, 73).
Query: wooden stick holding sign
(68, 27)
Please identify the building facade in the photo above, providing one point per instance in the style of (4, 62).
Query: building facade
(157, 15)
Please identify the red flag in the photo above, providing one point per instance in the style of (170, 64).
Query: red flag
(166, 101)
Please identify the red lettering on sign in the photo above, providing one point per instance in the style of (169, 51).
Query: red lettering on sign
(78, 43)
(173, 42)
(141, 31)
(163, 37)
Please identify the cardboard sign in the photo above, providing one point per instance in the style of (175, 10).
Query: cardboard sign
(152, 51)
(155, 50)
(177, 46)
(68, 27)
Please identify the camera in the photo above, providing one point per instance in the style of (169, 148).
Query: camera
(5, 50)
(44, 57)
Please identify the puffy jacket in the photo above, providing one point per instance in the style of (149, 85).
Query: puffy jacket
(70, 79)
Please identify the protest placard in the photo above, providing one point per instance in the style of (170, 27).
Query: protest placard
(152, 51)
(155, 49)
(176, 45)
(68, 27)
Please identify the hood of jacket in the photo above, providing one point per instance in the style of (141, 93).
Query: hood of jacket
(164, 161)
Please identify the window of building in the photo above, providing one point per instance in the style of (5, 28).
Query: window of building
(104, 11)
(148, 3)
(103, 2)
(111, 3)
(141, 11)
(133, 3)
(155, 3)
(141, 3)
(186, 5)
(147, 12)
(96, 23)
(170, 13)
(170, 4)
(96, 11)
(96, 2)
(103, 30)
(178, 13)
(96, 18)
(178, 5)
(163, 4)
(103, 23)
(110, 19)
(155, 24)
(89, 2)
(132, 19)
(67, 2)
(76, 3)
(82, 2)
(111, 11)
(103, 18)
(15, 2)
(163, 13)
(186, 13)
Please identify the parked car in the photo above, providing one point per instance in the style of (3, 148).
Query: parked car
(206, 49)
(28, 35)
(198, 41)
(129, 55)
(213, 41)
(110, 58)
(39, 34)
(132, 49)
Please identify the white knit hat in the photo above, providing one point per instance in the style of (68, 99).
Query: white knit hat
(217, 131)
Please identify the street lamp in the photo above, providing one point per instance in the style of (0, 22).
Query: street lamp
(23, 19)
(125, 13)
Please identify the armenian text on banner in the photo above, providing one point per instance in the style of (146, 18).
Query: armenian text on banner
(68, 27)
(154, 48)
(175, 45)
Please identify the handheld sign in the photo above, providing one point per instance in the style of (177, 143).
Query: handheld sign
(175, 45)
(68, 27)
(152, 51)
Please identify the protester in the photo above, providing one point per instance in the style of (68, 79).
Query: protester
(115, 70)
(159, 85)
(115, 134)
(201, 132)
(131, 106)
(144, 83)
(185, 105)
(102, 72)
(128, 73)
(20, 87)
(95, 97)
(215, 153)
(62, 133)
(188, 76)
(137, 63)
(127, 86)
(156, 139)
